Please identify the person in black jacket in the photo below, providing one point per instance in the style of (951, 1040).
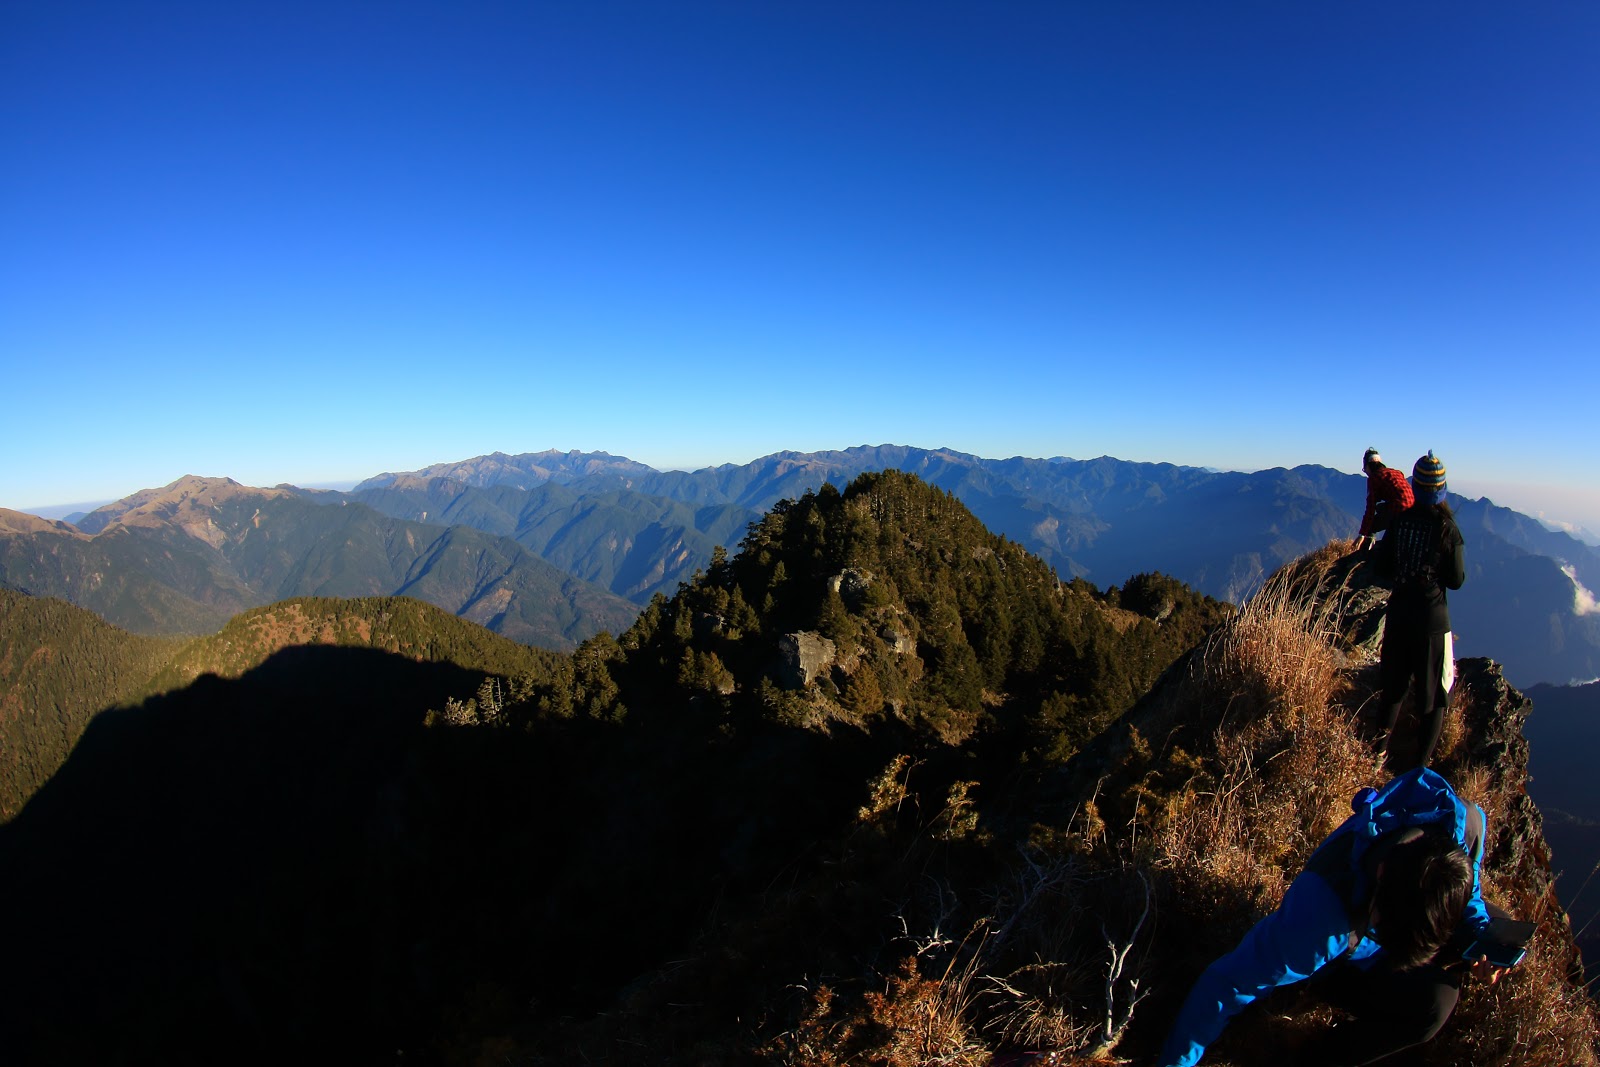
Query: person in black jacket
(1421, 556)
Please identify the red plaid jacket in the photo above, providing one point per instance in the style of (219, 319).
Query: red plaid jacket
(1387, 487)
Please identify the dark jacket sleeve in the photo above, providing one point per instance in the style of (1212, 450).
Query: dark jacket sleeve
(1452, 558)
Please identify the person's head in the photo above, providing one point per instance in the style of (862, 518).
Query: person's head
(1371, 462)
(1427, 480)
(1424, 881)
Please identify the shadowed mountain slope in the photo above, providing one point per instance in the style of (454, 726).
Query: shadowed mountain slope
(227, 867)
(59, 665)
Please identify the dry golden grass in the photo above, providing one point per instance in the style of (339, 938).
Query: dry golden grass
(1287, 757)
(913, 1021)
(1275, 758)
(1283, 757)
(1251, 760)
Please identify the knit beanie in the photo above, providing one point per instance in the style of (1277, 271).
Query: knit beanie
(1427, 479)
(1370, 458)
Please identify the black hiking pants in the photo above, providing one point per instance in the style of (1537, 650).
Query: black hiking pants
(1393, 1010)
(1413, 661)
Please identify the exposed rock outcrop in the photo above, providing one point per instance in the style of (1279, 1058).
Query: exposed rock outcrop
(803, 657)
(851, 585)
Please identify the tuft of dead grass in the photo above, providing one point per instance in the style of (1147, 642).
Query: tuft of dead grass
(913, 1021)
(1282, 757)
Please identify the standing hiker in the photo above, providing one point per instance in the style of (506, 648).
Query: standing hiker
(1387, 496)
(1422, 556)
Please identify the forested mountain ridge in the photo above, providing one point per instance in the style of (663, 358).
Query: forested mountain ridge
(891, 598)
(402, 626)
(1219, 532)
(185, 558)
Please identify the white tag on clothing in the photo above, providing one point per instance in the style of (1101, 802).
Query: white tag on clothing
(1449, 678)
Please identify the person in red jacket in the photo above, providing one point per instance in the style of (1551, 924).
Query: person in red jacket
(1388, 494)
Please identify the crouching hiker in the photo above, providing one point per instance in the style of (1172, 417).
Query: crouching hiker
(1387, 496)
(1376, 925)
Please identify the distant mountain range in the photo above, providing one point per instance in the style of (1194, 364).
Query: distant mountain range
(185, 558)
(550, 547)
(1526, 603)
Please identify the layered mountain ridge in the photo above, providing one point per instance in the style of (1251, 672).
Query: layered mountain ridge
(880, 787)
(608, 525)
(1527, 603)
(184, 558)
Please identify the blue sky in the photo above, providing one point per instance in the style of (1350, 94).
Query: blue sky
(311, 242)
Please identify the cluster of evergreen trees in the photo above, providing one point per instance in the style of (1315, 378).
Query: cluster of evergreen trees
(929, 622)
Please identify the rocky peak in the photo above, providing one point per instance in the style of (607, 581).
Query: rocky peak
(190, 503)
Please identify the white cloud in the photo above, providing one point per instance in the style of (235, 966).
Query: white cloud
(1582, 600)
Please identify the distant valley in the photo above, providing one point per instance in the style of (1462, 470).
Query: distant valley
(1564, 738)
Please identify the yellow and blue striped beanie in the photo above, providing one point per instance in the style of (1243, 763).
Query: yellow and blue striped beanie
(1428, 474)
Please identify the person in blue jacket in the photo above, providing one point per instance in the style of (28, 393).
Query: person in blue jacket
(1365, 925)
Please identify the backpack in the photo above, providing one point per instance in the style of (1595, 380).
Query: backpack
(1416, 549)
(1417, 802)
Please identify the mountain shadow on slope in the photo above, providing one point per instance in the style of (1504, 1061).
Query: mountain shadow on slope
(255, 864)
(59, 665)
(303, 861)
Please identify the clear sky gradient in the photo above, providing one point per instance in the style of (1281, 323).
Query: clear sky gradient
(314, 241)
